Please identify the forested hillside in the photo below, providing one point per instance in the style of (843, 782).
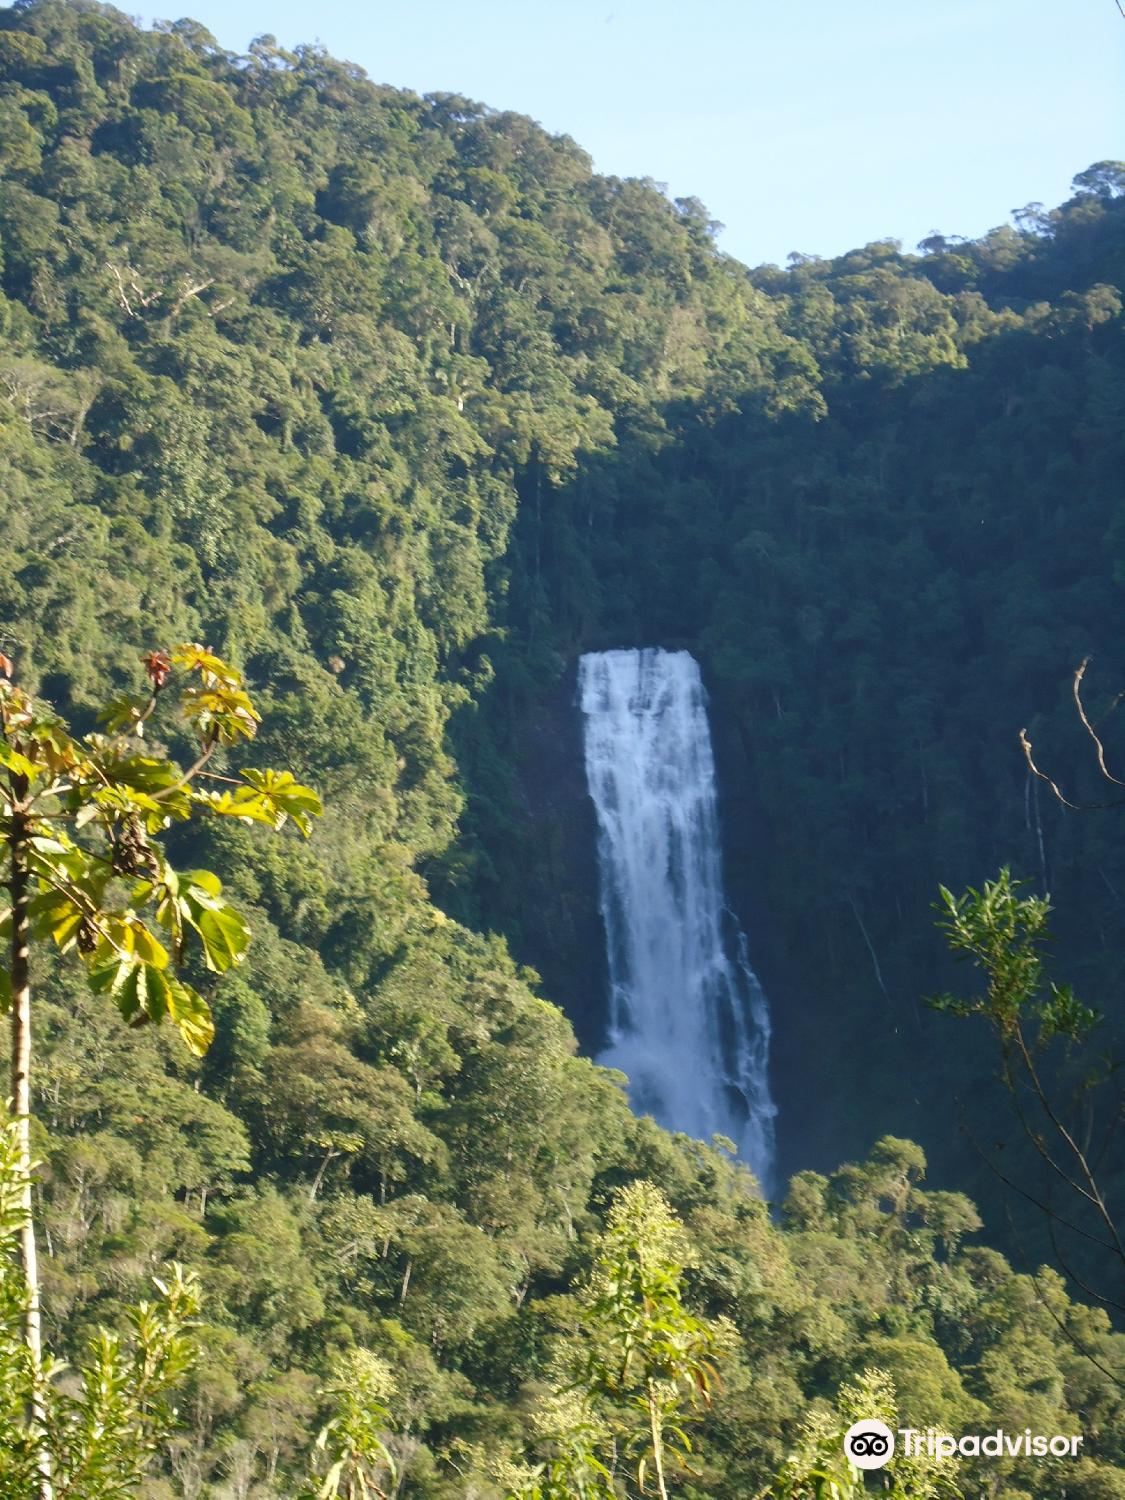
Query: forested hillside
(395, 403)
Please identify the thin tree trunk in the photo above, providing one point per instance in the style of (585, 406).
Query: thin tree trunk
(20, 1106)
(870, 949)
(657, 1442)
(329, 1155)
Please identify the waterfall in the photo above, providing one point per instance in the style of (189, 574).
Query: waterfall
(688, 1020)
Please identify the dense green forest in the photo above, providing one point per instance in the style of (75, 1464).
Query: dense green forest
(398, 405)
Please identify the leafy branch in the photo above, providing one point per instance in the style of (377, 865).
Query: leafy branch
(80, 820)
(1003, 933)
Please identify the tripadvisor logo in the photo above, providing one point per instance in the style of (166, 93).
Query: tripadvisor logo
(871, 1444)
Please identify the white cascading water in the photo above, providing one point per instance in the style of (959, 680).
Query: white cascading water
(688, 1020)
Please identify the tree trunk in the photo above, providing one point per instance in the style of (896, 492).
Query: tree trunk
(329, 1155)
(657, 1432)
(20, 1106)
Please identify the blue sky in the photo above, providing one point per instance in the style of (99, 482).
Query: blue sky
(809, 125)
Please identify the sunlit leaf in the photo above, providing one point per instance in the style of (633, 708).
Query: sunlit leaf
(161, 780)
(243, 803)
(123, 711)
(56, 917)
(125, 799)
(191, 1015)
(221, 713)
(224, 935)
(146, 992)
(147, 947)
(18, 764)
(194, 658)
(47, 844)
(287, 796)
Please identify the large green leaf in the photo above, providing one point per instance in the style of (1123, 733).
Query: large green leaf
(223, 933)
(136, 988)
(194, 900)
(286, 796)
(221, 713)
(56, 916)
(191, 1015)
(123, 938)
(244, 803)
(161, 780)
(124, 711)
(212, 668)
(18, 764)
(144, 991)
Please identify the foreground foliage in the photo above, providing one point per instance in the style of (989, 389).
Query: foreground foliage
(1065, 1092)
(79, 818)
(104, 1421)
(818, 1468)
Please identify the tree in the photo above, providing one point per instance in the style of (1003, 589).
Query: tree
(819, 1468)
(79, 820)
(1003, 933)
(1105, 179)
(565, 1424)
(407, 467)
(102, 1430)
(358, 1462)
(643, 1346)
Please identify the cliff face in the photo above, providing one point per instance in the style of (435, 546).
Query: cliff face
(556, 923)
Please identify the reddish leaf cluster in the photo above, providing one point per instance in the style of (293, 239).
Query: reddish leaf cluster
(158, 665)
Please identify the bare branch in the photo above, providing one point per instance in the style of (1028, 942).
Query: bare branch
(870, 949)
(1040, 1145)
(1039, 1203)
(1069, 1271)
(1071, 1337)
(190, 289)
(1094, 1194)
(1078, 676)
(1074, 806)
(1111, 1131)
(1084, 719)
(132, 286)
(1063, 1327)
(121, 294)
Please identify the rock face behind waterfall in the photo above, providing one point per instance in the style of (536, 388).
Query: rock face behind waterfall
(688, 1021)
